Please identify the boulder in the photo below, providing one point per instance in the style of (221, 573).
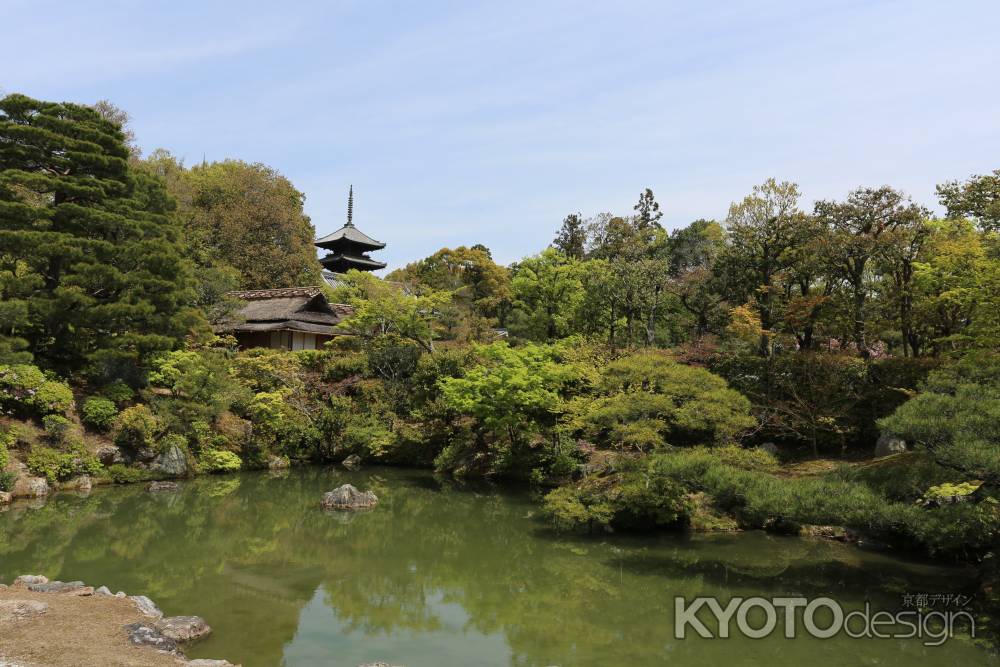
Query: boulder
(28, 579)
(770, 448)
(104, 592)
(30, 487)
(75, 587)
(352, 462)
(183, 628)
(15, 610)
(347, 497)
(162, 486)
(146, 606)
(377, 664)
(208, 662)
(83, 484)
(277, 462)
(6, 497)
(172, 462)
(889, 444)
(109, 455)
(143, 634)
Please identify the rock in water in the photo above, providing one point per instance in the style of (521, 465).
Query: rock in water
(352, 462)
(143, 634)
(208, 662)
(161, 486)
(277, 462)
(183, 628)
(15, 610)
(83, 484)
(6, 497)
(171, 462)
(146, 606)
(889, 444)
(28, 579)
(30, 487)
(347, 497)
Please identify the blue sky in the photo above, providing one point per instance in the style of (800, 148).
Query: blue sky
(461, 123)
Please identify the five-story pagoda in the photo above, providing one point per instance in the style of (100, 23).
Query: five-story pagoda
(348, 246)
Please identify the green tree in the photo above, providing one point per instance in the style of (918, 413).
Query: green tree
(92, 272)
(244, 215)
(977, 198)
(572, 237)
(862, 228)
(548, 291)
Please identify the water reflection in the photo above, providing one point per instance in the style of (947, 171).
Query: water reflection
(439, 574)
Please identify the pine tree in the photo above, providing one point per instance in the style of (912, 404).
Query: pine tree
(572, 237)
(90, 266)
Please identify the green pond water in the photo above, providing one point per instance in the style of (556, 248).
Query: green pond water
(441, 575)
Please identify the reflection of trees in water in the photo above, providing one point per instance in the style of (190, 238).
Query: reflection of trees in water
(249, 552)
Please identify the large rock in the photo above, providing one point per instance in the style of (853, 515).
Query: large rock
(146, 606)
(83, 484)
(143, 634)
(28, 579)
(352, 462)
(347, 497)
(183, 628)
(6, 497)
(30, 487)
(74, 587)
(889, 444)
(275, 462)
(15, 610)
(109, 455)
(208, 662)
(172, 462)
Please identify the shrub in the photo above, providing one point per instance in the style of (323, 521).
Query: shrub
(136, 427)
(118, 392)
(119, 473)
(99, 413)
(57, 466)
(26, 391)
(7, 480)
(56, 427)
(267, 370)
(7, 440)
(218, 460)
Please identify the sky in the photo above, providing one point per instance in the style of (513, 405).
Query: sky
(462, 123)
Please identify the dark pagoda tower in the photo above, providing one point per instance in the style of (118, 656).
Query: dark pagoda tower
(347, 247)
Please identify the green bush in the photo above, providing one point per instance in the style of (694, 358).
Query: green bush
(136, 427)
(99, 413)
(57, 466)
(7, 440)
(218, 460)
(118, 392)
(7, 480)
(119, 473)
(56, 427)
(26, 391)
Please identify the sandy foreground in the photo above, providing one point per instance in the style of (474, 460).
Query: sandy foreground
(74, 631)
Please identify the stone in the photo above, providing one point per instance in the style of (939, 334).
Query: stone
(889, 444)
(376, 664)
(120, 594)
(30, 487)
(28, 579)
(109, 455)
(352, 462)
(146, 606)
(208, 662)
(277, 462)
(347, 497)
(770, 448)
(172, 462)
(104, 591)
(83, 484)
(183, 628)
(143, 634)
(16, 610)
(6, 497)
(162, 486)
(75, 587)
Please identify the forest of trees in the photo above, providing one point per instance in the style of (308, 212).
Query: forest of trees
(639, 377)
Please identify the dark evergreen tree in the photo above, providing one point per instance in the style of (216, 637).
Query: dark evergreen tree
(572, 237)
(91, 275)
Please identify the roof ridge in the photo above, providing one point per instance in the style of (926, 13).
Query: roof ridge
(274, 293)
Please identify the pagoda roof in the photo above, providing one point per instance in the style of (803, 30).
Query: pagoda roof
(348, 233)
(292, 308)
(359, 261)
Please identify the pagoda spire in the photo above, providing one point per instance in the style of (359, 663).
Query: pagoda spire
(350, 207)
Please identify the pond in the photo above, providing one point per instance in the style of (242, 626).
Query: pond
(440, 575)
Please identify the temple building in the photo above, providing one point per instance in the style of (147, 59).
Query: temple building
(348, 248)
(291, 318)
